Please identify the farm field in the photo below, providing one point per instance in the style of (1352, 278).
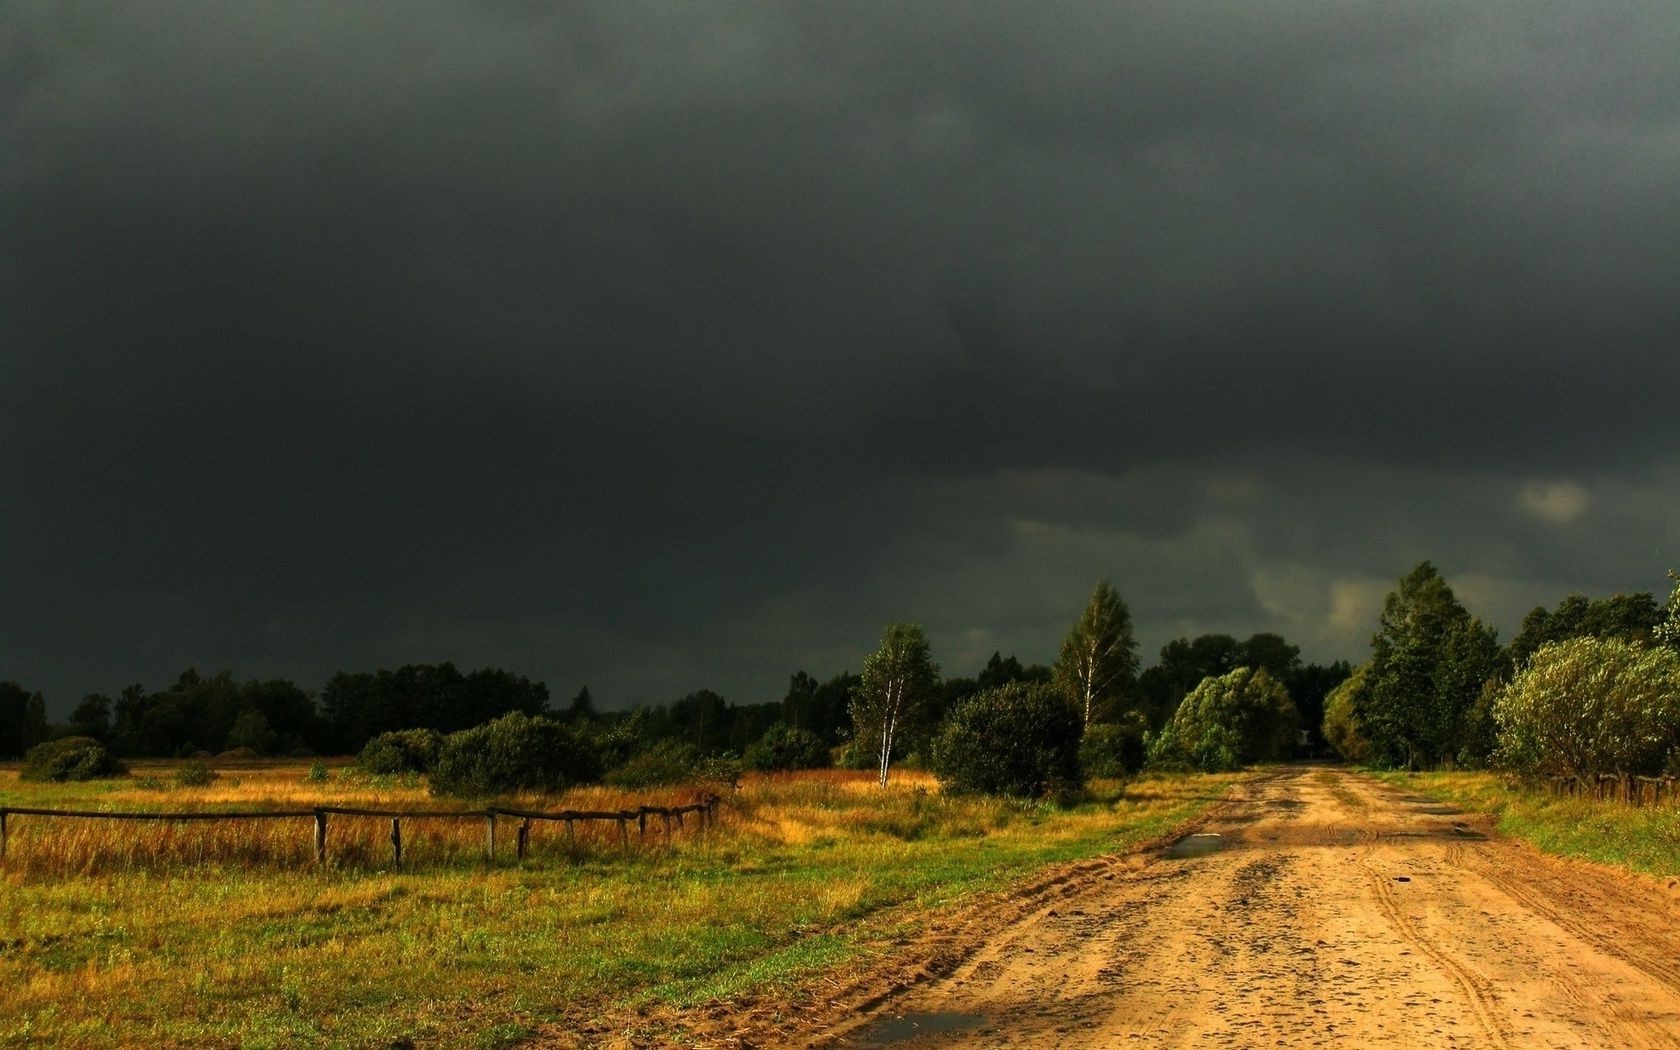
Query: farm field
(122, 934)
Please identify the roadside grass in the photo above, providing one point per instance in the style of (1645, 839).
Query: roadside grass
(251, 946)
(1641, 838)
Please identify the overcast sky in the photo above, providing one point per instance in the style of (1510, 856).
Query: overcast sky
(659, 346)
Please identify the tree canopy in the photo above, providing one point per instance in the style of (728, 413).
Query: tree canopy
(1098, 663)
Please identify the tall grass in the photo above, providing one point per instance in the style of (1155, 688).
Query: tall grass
(257, 948)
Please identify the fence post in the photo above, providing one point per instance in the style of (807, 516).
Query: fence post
(320, 838)
(490, 835)
(623, 832)
(524, 836)
(641, 823)
(396, 843)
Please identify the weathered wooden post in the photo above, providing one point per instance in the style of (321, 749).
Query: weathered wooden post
(320, 838)
(490, 835)
(396, 843)
(641, 823)
(524, 836)
(623, 831)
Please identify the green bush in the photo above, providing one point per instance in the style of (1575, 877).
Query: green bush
(787, 747)
(516, 752)
(1021, 739)
(194, 773)
(1114, 749)
(666, 762)
(401, 751)
(1341, 727)
(1226, 722)
(70, 758)
(1588, 706)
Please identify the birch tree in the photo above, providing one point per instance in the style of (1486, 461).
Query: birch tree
(1099, 659)
(897, 680)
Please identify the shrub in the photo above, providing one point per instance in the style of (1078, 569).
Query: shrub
(317, 774)
(1019, 739)
(1341, 727)
(194, 773)
(1226, 722)
(1587, 706)
(70, 758)
(666, 762)
(787, 747)
(401, 751)
(1114, 749)
(516, 752)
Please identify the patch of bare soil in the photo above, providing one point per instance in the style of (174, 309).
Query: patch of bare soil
(1331, 910)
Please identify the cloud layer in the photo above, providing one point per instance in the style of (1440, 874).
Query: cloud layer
(664, 345)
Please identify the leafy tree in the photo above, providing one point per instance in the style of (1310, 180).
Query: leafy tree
(251, 729)
(92, 717)
(1631, 616)
(1240, 717)
(1428, 663)
(1098, 663)
(1310, 684)
(1587, 706)
(786, 747)
(1667, 631)
(70, 758)
(1019, 739)
(401, 751)
(1341, 719)
(517, 752)
(897, 680)
(1115, 749)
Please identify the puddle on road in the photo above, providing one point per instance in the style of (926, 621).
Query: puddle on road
(1194, 846)
(1440, 811)
(1286, 803)
(905, 1027)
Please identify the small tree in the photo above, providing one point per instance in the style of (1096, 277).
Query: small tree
(513, 753)
(1588, 706)
(401, 751)
(1099, 662)
(1020, 739)
(1242, 717)
(1667, 631)
(1341, 720)
(786, 747)
(1114, 749)
(897, 680)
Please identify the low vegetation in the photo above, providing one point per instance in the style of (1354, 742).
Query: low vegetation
(1020, 740)
(206, 935)
(70, 758)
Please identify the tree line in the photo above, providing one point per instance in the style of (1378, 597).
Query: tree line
(1591, 686)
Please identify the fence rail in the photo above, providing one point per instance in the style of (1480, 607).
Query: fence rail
(705, 809)
(1610, 787)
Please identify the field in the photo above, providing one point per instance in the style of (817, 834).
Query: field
(119, 934)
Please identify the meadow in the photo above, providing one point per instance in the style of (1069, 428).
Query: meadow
(118, 934)
(1641, 838)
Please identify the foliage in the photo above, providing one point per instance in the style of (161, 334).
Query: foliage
(70, 758)
(1667, 631)
(823, 708)
(516, 752)
(23, 719)
(195, 772)
(785, 747)
(1630, 616)
(251, 730)
(1019, 739)
(1114, 749)
(362, 705)
(1341, 726)
(1098, 664)
(1591, 705)
(401, 751)
(897, 680)
(1241, 717)
(1428, 663)
(666, 762)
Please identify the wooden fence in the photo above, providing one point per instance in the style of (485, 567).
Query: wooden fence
(1609, 787)
(705, 810)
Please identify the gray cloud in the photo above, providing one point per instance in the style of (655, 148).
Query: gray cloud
(665, 345)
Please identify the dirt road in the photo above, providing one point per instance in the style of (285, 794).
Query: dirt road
(1331, 910)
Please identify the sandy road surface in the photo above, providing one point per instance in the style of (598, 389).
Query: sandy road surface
(1337, 911)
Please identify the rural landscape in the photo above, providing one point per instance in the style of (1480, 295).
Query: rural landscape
(633, 524)
(1034, 856)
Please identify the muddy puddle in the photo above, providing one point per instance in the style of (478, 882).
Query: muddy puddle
(1194, 846)
(905, 1027)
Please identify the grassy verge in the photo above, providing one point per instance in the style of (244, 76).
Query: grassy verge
(1645, 839)
(246, 948)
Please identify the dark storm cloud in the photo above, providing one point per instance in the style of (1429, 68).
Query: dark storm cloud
(668, 345)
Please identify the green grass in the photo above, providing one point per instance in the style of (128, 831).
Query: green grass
(1643, 838)
(804, 873)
